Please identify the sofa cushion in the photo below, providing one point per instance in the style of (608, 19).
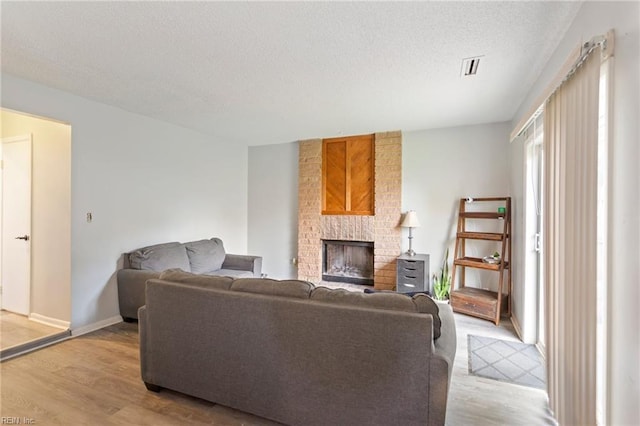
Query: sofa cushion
(205, 255)
(390, 301)
(233, 273)
(288, 288)
(423, 303)
(210, 281)
(160, 257)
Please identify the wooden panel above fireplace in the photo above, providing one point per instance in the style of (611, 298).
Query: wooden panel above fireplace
(348, 175)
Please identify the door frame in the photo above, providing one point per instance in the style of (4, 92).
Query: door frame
(532, 260)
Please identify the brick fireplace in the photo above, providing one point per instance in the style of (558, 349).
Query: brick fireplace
(381, 229)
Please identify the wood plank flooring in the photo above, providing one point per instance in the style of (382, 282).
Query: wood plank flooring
(95, 379)
(18, 329)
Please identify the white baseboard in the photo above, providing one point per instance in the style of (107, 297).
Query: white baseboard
(51, 322)
(96, 326)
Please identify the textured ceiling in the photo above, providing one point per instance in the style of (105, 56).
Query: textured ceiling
(261, 73)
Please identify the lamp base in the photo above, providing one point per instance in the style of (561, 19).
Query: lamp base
(410, 252)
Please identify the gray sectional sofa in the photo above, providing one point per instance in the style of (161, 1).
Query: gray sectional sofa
(297, 354)
(207, 257)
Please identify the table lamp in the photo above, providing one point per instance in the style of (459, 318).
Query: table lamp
(410, 221)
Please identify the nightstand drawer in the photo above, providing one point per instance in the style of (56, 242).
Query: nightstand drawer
(410, 263)
(412, 273)
(410, 278)
(412, 268)
(410, 287)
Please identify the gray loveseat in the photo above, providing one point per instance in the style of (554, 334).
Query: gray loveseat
(206, 257)
(296, 354)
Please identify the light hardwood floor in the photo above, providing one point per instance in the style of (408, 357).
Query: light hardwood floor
(18, 329)
(95, 379)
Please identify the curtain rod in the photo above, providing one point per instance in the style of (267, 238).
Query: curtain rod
(580, 53)
(587, 48)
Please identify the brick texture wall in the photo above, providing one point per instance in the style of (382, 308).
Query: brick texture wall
(383, 228)
(388, 199)
(309, 208)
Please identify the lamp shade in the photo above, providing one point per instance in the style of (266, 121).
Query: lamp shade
(410, 220)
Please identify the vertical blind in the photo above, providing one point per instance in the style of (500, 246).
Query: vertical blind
(570, 215)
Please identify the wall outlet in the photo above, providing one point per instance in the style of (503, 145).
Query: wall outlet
(89, 217)
(294, 261)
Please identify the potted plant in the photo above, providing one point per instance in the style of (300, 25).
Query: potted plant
(442, 281)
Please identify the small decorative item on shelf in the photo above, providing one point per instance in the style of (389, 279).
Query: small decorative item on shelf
(493, 259)
(442, 281)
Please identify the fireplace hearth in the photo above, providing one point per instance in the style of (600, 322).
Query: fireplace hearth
(347, 261)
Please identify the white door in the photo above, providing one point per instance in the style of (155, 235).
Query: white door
(16, 224)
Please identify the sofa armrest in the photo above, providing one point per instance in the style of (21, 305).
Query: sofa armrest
(445, 346)
(241, 262)
(441, 366)
(131, 283)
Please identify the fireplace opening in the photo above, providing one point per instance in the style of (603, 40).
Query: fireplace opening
(347, 261)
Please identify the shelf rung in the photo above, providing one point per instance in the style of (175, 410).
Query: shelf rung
(489, 199)
(489, 236)
(476, 262)
(482, 215)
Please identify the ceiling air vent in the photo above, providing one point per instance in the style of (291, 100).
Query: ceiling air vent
(470, 66)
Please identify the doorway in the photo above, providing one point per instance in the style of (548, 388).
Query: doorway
(44, 241)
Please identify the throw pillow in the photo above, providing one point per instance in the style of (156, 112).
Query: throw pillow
(205, 255)
(160, 257)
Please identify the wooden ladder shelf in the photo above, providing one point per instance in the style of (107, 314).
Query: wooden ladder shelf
(483, 303)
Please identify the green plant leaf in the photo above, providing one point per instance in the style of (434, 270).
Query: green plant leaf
(442, 280)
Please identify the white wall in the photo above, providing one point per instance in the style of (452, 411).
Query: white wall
(593, 19)
(145, 182)
(443, 165)
(273, 207)
(51, 212)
